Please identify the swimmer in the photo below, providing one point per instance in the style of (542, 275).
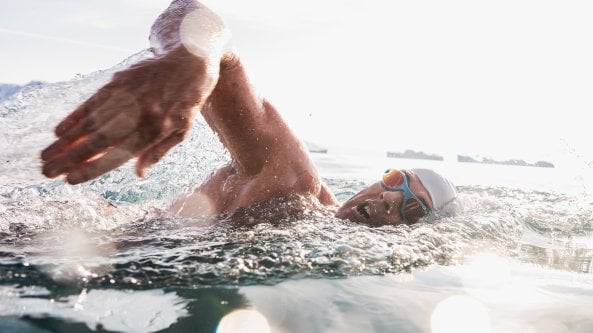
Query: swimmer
(147, 109)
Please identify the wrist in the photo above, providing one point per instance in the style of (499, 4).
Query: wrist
(204, 34)
(195, 27)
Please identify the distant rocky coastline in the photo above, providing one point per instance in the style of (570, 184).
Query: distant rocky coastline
(417, 155)
(313, 148)
(517, 162)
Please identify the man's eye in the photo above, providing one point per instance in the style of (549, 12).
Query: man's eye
(413, 211)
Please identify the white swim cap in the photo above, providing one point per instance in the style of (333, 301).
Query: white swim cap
(441, 190)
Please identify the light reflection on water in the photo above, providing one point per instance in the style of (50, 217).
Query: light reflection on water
(520, 244)
(436, 299)
(245, 321)
(461, 314)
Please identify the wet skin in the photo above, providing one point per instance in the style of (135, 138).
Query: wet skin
(136, 116)
(377, 206)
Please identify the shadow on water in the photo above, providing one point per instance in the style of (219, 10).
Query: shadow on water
(205, 308)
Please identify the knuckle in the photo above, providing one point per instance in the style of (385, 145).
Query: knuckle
(179, 136)
(100, 138)
(89, 124)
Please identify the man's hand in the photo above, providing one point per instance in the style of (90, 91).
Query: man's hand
(143, 112)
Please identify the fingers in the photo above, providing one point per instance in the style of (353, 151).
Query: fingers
(111, 134)
(101, 118)
(126, 118)
(114, 158)
(82, 111)
(155, 153)
(73, 118)
(68, 139)
(78, 124)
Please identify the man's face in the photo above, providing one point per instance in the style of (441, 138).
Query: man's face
(376, 206)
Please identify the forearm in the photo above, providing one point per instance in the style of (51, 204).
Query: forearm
(250, 128)
(234, 109)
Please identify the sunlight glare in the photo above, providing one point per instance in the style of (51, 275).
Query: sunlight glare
(204, 34)
(243, 321)
(460, 314)
(195, 204)
(76, 256)
(486, 270)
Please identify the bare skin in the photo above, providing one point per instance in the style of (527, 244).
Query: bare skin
(268, 160)
(382, 207)
(136, 115)
(145, 110)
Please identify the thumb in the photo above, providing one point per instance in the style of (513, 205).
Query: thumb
(156, 152)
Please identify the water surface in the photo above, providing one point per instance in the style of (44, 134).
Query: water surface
(516, 255)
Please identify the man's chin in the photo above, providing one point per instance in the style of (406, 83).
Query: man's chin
(348, 213)
(342, 213)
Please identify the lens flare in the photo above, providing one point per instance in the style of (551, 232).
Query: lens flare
(195, 204)
(460, 314)
(204, 34)
(486, 270)
(243, 321)
(76, 255)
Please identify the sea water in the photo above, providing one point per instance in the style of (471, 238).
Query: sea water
(517, 255)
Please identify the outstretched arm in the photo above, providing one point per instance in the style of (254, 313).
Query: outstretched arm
(147, 109)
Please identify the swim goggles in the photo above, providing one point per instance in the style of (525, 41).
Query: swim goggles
(412, 208)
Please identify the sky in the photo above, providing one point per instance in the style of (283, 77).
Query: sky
(505, 79)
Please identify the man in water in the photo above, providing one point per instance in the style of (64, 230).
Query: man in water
(147, 109)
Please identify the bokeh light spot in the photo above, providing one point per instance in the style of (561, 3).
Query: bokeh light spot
(243, 321)
(460, 314)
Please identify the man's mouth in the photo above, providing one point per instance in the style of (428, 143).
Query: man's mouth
(364, 209)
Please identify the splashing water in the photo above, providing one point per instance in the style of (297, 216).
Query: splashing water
(112, 233)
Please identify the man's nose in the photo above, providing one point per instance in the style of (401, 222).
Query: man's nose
(392, 198)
